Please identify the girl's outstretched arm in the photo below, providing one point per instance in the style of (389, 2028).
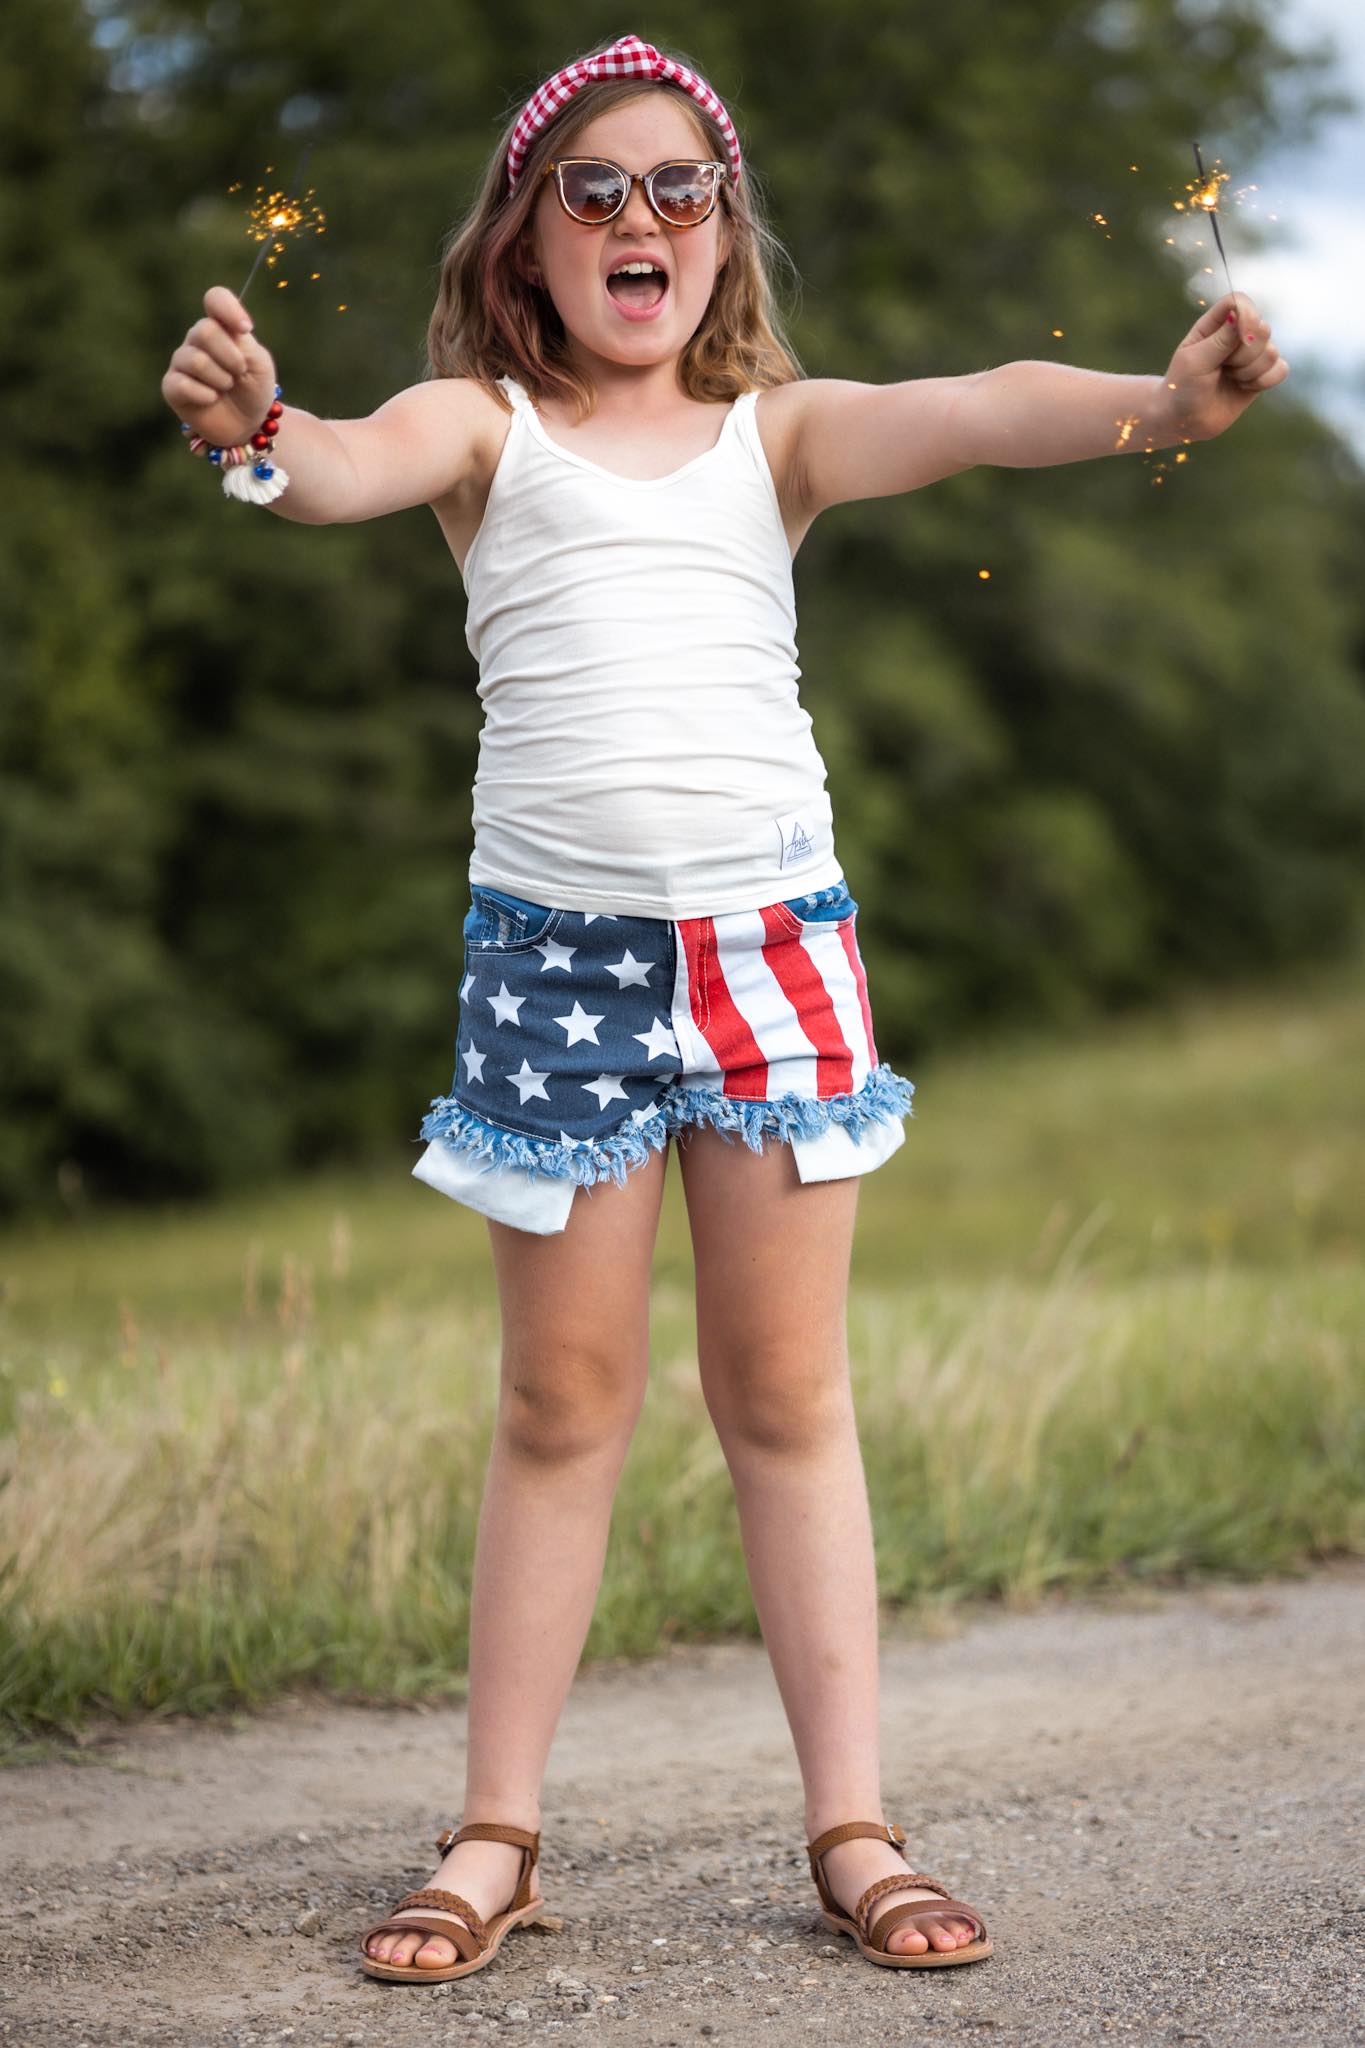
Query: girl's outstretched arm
(417, 446)
(868, 440)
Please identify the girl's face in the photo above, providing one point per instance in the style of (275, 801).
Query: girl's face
(574, 259)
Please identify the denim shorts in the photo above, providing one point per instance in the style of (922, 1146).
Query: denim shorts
(586, 1041)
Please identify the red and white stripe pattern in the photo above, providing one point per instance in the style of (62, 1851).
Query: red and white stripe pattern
(627, 57)
(765, 1006)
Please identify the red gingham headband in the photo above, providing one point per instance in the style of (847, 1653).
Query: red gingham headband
(628, 57)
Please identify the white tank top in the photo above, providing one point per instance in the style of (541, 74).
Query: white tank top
(644, 749)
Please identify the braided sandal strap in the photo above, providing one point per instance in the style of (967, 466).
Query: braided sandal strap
(914, 1880)
(917, 1909)
(469, 1940)
(448, 1902)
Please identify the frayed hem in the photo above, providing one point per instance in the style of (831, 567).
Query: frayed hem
(585, 1160)
(884, 1095)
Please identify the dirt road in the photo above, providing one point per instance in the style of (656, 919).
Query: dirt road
(1156, 1805)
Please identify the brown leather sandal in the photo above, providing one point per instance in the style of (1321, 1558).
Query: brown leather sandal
(478, 1941)
(871, 1940)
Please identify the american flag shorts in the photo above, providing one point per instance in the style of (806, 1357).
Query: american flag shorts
(587, 1041)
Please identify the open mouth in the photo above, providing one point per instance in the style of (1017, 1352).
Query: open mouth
(638, 290)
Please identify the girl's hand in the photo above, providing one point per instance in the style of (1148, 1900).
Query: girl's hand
(1224, 363)
(220, 379)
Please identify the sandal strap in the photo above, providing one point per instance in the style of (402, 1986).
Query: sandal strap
(495, 1831)
(847, 1831)
(918, 1909)
(914, 1879)
(448, 1902)
(490, 1831)
(470, 1940)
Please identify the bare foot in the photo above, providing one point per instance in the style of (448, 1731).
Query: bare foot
(485, 1873)
(850, 1867)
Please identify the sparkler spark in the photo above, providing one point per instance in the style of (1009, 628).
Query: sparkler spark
(282, 213)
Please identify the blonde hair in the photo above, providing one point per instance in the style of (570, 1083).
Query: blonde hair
(490, 320)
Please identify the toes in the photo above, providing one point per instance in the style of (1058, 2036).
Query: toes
(942, 1935)
(427, 1951)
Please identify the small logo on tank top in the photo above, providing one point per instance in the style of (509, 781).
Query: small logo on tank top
(797, 844)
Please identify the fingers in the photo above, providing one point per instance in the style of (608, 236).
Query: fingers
(181, 390)
(215, 354)
(225, 306)
(216, 350)
(1257, 366)
(1217, 342)
(1275, 375)
(223, 354)
(1253, 335)
(1219, 319)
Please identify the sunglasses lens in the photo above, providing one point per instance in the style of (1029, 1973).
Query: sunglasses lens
(592, 191)
(683, 192)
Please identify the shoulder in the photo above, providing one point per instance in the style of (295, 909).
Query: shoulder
(459, 414)
(436, 397)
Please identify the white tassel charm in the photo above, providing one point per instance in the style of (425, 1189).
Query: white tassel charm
(250, 474)
(256, 483)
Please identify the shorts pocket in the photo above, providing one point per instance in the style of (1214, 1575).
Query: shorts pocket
(501, 923)
(833, 905)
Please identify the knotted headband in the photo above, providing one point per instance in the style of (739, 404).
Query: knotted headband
(628, 57)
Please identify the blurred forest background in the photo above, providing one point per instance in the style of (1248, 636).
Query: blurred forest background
(236, 754)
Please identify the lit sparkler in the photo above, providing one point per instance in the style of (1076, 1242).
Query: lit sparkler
(278, 213)
(1206, 194)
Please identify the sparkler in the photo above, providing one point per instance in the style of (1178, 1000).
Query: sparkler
(1206, 194)
(282, 213)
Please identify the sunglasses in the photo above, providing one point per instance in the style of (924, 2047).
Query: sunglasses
(592, 189)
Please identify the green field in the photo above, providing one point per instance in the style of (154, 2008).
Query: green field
(1105, 1327)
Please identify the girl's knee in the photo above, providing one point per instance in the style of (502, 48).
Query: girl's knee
(780, 1401)
(570, 1401)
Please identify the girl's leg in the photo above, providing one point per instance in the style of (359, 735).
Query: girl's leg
(575, 1354)
(772, 1258)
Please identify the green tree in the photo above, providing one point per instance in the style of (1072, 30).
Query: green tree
(236, 754)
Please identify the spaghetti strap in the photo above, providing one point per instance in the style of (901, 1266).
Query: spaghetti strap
(517, 393)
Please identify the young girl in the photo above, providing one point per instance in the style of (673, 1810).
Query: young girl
(624, 459)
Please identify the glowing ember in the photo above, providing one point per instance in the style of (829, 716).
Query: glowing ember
(1204, 193)
(274, 213)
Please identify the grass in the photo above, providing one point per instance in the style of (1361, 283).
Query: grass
(1105, 1329)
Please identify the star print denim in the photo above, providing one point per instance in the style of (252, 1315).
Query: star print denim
(585, 1041)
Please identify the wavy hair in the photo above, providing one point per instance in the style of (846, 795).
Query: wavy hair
(491, 321)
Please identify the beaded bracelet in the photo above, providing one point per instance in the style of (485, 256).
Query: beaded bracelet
(248, 472)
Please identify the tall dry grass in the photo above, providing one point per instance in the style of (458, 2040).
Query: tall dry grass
(243, 1450)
